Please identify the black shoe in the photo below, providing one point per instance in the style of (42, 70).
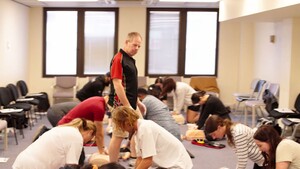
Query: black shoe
(124, 149)
(190, 154)
(40, 131)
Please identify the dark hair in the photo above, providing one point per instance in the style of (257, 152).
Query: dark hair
(169, 84)
(107, 74)
(154, 90)
(195, 97)
(268, 134)
(87, 166)
(142, 91)
(159, 80)
(214, 121)
(112, 165)
(70, 166)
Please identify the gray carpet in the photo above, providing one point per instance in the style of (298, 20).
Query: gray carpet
(205, 158)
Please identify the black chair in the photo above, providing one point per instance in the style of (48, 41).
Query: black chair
(15, 117)
(41, 96)
(289, 118)
(18, 99)
(8, 103)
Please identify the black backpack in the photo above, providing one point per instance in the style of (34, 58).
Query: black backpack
(270, 100)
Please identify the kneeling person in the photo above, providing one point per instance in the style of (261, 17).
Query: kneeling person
(154, 144)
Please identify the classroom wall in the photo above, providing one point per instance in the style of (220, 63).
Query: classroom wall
(13, 42)
(245, 51)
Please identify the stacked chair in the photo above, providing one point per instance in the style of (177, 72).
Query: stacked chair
(42, 97)
(3, 132)
(13, 113)
(18, 108)
(24, 101)
(253, 96)
(290, 119)
(273, 90)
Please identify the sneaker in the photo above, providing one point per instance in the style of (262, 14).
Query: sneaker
(132, 161)
(40, 131)
(109, 130)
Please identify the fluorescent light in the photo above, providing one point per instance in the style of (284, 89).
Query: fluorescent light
(69, 0)
(189, 0)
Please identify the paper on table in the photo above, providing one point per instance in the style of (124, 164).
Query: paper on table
(284, 110)
(295, 120)
(34, 94)
(3, 159)
(25, 99)
(10, 110)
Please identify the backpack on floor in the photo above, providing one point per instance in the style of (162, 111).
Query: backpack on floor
(44, 104)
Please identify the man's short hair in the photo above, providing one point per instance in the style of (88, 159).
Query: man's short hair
(108, 74)
(142, 91)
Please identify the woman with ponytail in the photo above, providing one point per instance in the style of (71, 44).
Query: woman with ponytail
(60, 146)
(239, 137)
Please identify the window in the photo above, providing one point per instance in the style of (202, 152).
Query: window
(182, 42)
(79, 42)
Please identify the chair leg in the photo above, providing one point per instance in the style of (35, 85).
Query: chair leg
(29, 113)
(237, 107)
(22, 132)
(5, 138)
(245, 115)
(253, 116)
(15, 131)
(296, 129)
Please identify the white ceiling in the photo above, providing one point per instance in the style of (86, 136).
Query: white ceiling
(117, 3)
(273, 15)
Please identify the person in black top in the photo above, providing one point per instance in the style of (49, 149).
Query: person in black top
(94, 87)
(209, 105)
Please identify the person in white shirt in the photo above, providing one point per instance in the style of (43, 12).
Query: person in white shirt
(57, 147)
(182, 94)
(155, 146)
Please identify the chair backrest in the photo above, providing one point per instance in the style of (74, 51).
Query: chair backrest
(254, 83)
(13, 91)
(5, 98)
(22, 87)
(274, 89)
(206, 83)
(297, 103)
(65, 87)
(66, 81)
(258, 89)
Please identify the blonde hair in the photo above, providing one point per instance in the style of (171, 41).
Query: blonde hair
(133, 35)
(124, 115)
(82, 124)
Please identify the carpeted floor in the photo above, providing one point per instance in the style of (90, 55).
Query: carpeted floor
(205, 158)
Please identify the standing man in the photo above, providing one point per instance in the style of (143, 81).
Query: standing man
(124, 85)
